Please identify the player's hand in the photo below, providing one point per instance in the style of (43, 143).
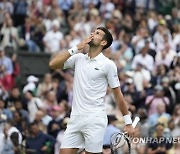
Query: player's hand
(129, 130)
(83, 43)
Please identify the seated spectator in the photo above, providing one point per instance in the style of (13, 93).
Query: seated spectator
(165, 56)
(161, 146)
(10, 36)
(39, 142)
(19, 122)
(14, 96)
(143, 58)
(50, 101)
(157, 98)
(5, 61)
(6, 144)
(159, 72)
(175, 149)
(144, 126)
(110, 130)
(20, 11)
(11, 129)
(175, 61)
(31, 84)
(60, 134)
(5, 113)
(38, 119)
(16, 69)
(27, 35)
(141, 75)
(174, 123)
(161, 113)
(19, 107)
(34, 104)
(158, 38)
(55, 124)
(169, 91)
(7, 6)
(45, 86)
(52, 38)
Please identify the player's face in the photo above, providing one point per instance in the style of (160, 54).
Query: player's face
(98, 36)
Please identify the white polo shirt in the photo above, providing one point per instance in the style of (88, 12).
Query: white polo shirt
(91, 79)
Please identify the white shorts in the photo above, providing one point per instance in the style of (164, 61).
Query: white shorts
(85, 132)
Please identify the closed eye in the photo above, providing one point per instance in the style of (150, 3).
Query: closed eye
(97, 32)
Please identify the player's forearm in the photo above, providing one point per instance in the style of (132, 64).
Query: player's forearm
(122, 105)
(58, 61)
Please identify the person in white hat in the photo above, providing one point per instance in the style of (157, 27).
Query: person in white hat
(31, 83)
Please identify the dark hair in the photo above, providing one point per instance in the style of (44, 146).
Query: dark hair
(108, 37)
(31, 92)
(34, 123)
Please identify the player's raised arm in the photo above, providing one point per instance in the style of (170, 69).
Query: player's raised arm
(58, 61)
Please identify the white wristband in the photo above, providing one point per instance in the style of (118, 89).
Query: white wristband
(127, 119)
(73, 50)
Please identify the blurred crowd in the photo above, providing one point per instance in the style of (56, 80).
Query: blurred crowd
(146, 50)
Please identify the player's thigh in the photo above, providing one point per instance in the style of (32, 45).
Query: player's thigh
(94, 134)
(68, 151)
(73, 138)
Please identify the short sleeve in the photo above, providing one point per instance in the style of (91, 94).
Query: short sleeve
(70, 63)
(112, 75)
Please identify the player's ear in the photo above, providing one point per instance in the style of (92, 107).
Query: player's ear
(103, 43)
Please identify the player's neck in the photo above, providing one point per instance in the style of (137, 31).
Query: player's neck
(94, 51)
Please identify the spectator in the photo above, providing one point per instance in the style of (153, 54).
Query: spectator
(27, 35)
(39, 142)
(50, 100)
(16, 69)
(24, 114)
(174, 123)
(165, 56)
(143, 58)
(7, 144)
(20, 12)
(168, 91)
(5, 113)
(45, 86)
(38, 119)
(10, 36)
(34, 104)
(61, 134)
(52, 38)
(161, 113)
(159, 147)
(157, 98)
(10, 129)
(55, 124)
(141, 75)
(6, 62)
(14, 96)
(7, 6)
(110, 130)
(31, 85)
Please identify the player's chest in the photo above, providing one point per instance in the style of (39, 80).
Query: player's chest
(92, 70)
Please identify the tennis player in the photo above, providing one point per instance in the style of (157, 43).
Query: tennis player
(93, 73)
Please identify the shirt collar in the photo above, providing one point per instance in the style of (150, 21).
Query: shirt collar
(97, 58)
